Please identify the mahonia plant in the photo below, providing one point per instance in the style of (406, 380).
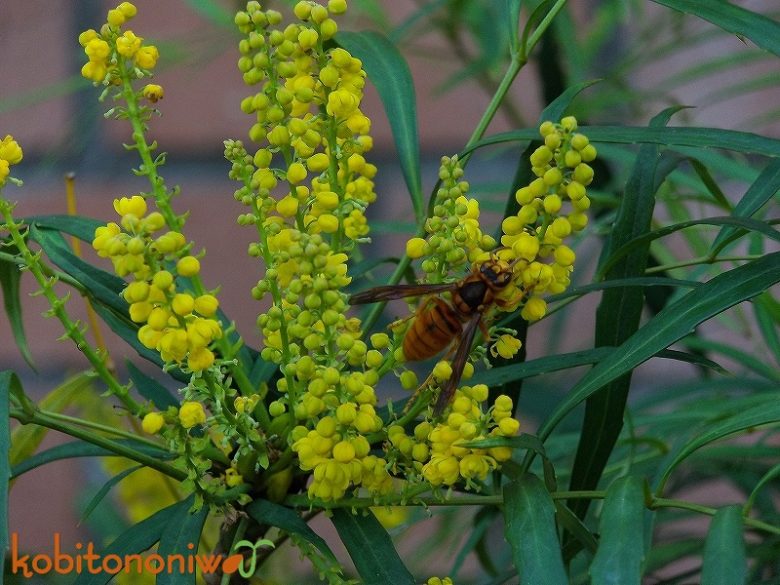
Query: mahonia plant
(305, 183)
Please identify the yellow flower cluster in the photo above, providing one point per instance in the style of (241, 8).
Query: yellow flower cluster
(108, 49)
(455, 237)
(10, 154)
(176, 323)
(534, 237)
(308, 115)
(338, 453)
(436, 451)
(307, 188)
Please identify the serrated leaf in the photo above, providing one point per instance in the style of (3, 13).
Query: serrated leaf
(620, 553)
(388, 71)
(672, 324)
(763, 31)
(136, 540)
(9, 383)
(287, 519)
(371, 549)
(529, 526)
(10, 279)
(724, 550)
(184, 529)
(82, 449)
(150, 388)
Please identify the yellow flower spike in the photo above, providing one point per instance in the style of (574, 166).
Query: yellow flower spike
(206, 305)
(116, 18)
(146, 57)
(153, 92)
(128, 9)
(416, 248)
(183, 304)
(4, 171)
(94, 71)
(191, 414)
(535, 308)
(152, 423)
(188, 266)
(134, 206)
(10, 151)
(200, 359)
(97, 49)
(442, 371)
(505, 346)
(128, 44)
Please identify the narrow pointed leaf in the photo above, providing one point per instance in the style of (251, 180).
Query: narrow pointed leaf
(620, 554)
(759, 193)
(672, 324)
(371, 549)
(75, 225)
(557, 108)
(82, 449)
(8, 383)
(724, 550)
(182, 531)
(103, 491)
(765, 413)
(763, 31)
(136, 539)
(735, 140)
(26, 438)
(287, 519)
(150, 388)
(617, 319)
(10, 279)
(388, 71)
(529, 526)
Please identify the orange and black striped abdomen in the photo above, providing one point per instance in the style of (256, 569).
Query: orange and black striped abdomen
(431, 331)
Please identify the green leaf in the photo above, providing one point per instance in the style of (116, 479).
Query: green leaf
(620, 554)
(150, 388)
(760, 192)
(763, 31)
(743, 223)
(746, 142)
(82, 449)
(287, 519)
(617, 319)
(368, 543)
(183, 530)
(10, 278)
(26, 438)
(75, 225)
(768, 324)
(388, 71)
(672, 324)
(745, 419)
(529, 526)
(103, 491)
(724, 550)
(101, 285)
(136, 540)
(8, 383)
(215, 13)
(556, 109)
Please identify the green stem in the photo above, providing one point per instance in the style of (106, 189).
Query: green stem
(44, 420)
(237, 536)
(88, 424)
(72, 330)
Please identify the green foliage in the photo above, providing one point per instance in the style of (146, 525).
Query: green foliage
(684, 220)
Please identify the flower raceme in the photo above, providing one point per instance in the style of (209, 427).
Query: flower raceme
(110, 50)
(10, 154)
(176, 323)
